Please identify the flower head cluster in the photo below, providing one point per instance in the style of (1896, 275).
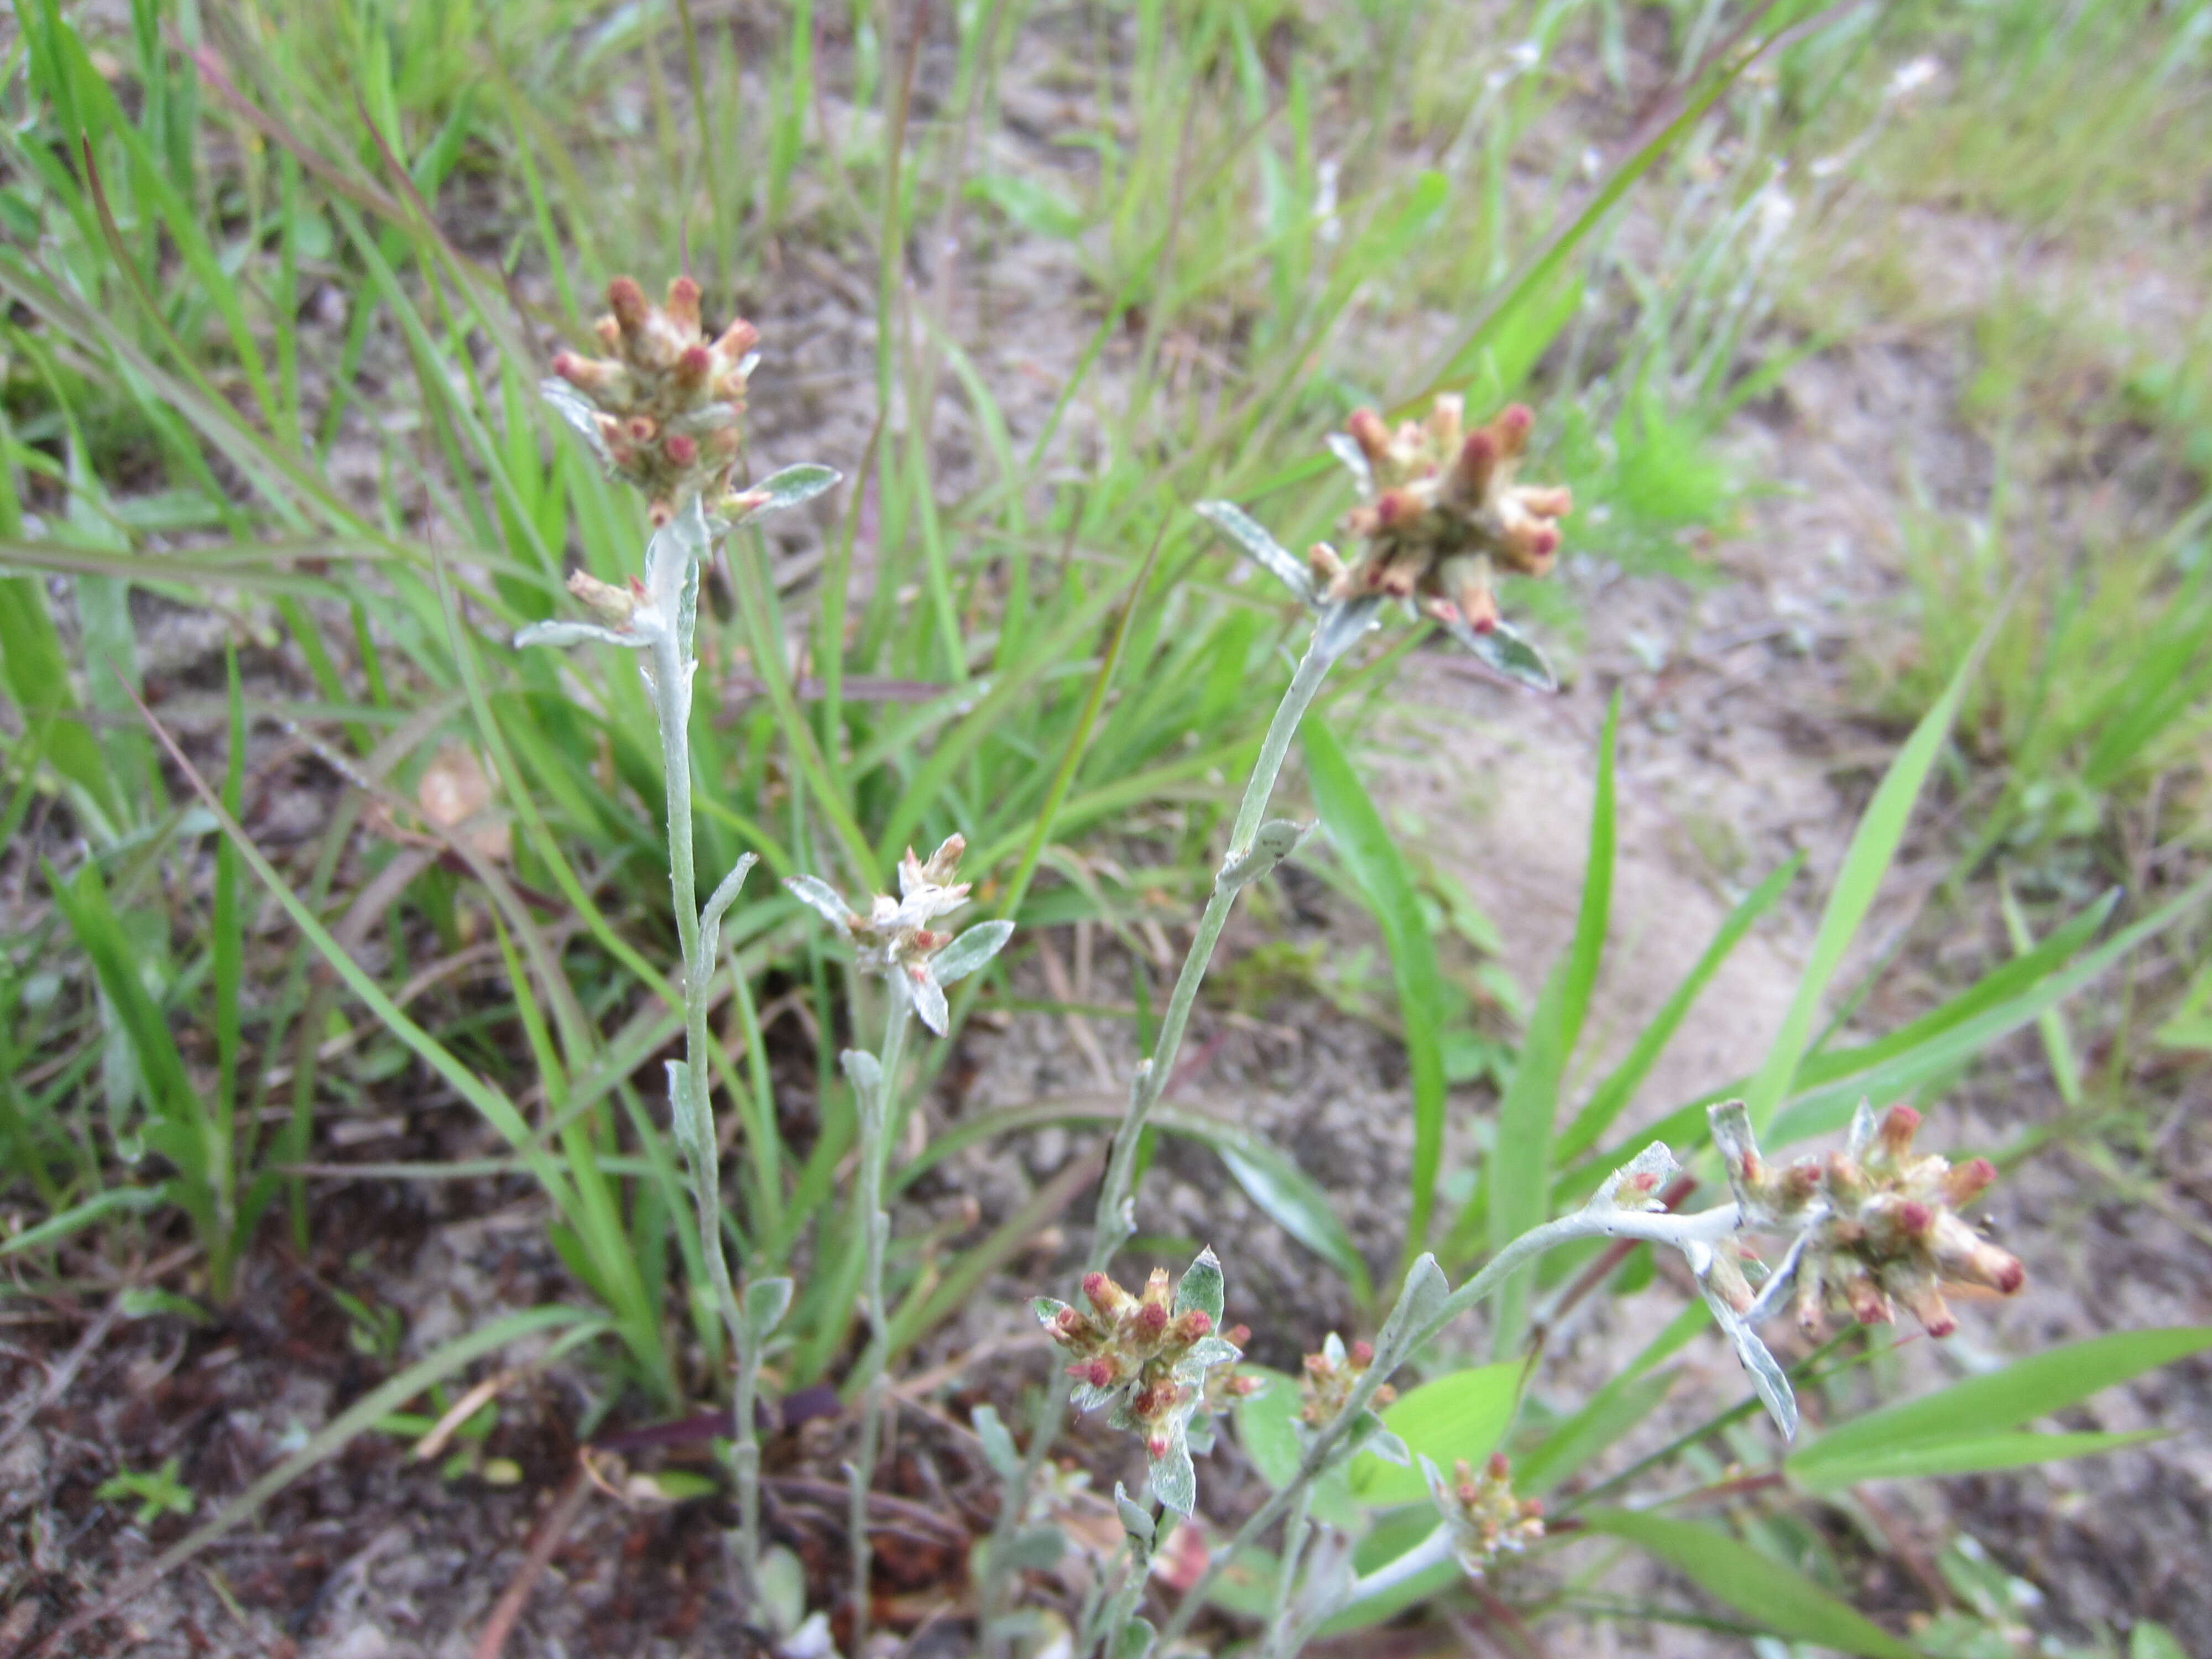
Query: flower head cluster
(1148, 1356)
(1328, 1378)
(1485, 1520)
(1440, 511)
(663, 410)
(896, 938)
(1876, 1225)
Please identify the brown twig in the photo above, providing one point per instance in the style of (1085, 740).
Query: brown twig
(543, 1540)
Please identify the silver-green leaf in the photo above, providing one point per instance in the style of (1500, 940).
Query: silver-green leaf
(789, 488)
(971, 951)
(1263, 549)
(1201, 1289)
(1505, 650)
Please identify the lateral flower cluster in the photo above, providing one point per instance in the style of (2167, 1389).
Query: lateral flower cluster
(664, 409)
(894, 938)
(1441, 511)
(1147, 1356)
(1875, 1224)
(1482, 1514)
(1327, 1378)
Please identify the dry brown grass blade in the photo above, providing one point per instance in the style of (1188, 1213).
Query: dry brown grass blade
(543, 1540)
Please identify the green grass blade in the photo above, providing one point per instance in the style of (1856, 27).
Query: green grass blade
(1370, 852)
(1873, 845)
(227, 948)
(1611, 1097)
(495, 1108)
(1519, 1179)
(1971, 1411)
(1969, 1454)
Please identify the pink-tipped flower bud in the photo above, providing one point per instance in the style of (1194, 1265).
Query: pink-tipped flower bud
(1499, 1467)
(613, 605)
(1476, 463)
(1868, 1304)
(588, 373)
(740, 337)
(1964, 1182)
(1363, 1354)
(1396, 507)
(1152, 1321)
(1193, 1326)
(1512, 425)
(1929, 1307)
(684, 302)
(640, 428)
(681, 448)
(1846, 1180)
(1369, 432)
(1102, 1292)
(626, 300)
(1899, 1125)
(693, 365)
(1447, 416)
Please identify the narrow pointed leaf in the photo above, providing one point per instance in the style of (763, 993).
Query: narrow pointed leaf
(579, 411)
(1974, 1409)
(971, 951)
(1504, 649)
(1873, 845)
(927, 997)
(577, 633)
(1262, 548)
(792, 486)
(822, 898)
(1201, 1289)
(1370, 852)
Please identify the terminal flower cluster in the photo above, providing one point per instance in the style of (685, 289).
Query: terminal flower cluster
(664, 409)
(1147, 1355)
(1875, 1224)
(895, 937)
(1484, 1518)
(1440, 511)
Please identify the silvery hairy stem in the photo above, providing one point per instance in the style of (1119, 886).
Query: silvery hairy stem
(1115, 1220)
(872, 1095)
(669, 676)
(1334, 632)
(1297, 1528)
(1423, 1310)
(1127, 1595)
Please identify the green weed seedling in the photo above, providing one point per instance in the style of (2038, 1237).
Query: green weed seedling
(156, 1491)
